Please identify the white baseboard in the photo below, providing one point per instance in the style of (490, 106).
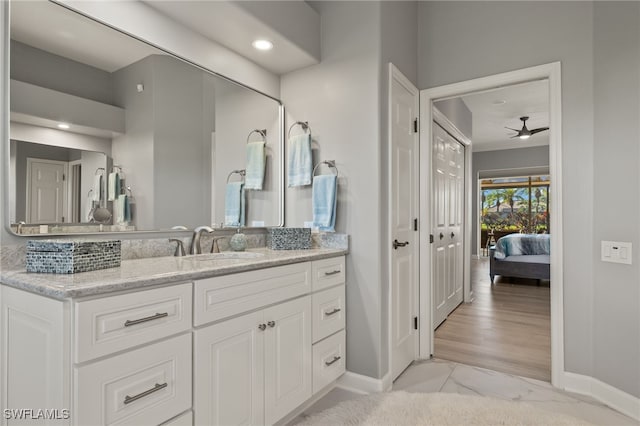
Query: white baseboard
(363, 384)
(615, 398)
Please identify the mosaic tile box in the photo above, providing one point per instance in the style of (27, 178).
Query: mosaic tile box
(289, 238)
(70, 257)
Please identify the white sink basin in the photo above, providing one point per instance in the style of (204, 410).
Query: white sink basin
(227, 255)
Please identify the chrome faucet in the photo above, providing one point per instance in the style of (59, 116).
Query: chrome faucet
(195, 241)
(179, 247)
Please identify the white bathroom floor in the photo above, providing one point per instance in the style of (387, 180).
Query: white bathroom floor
(450, 377)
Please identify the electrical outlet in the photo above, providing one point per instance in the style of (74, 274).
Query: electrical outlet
(616, 252)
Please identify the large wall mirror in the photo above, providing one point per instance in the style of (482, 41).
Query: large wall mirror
(109, 133)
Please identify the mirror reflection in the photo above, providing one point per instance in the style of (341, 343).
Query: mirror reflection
(129, 137)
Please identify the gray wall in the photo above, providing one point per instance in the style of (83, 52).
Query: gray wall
(340, 99)
(458, 113)
(344, 98)
(498, 162)
(616, 183)
(45, 69)
(464, 40)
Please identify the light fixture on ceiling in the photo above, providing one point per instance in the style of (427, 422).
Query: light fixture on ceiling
(63, 126)
(525, 133)
(262, 44)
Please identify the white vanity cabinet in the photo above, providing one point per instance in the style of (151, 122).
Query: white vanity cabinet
(243, 348)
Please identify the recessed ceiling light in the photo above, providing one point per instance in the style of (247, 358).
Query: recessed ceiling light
(64, 126)
(499, 102)
(262, 44)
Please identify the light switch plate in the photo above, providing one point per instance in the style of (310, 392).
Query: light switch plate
(616, 252)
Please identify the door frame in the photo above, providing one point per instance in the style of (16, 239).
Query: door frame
(552, 73)
(30, 161)
(396, 74)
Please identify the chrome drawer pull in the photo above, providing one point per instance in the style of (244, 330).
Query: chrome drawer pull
(129, 323)
(129, 399)
(337, 271)
(335, 311)
(333, 361)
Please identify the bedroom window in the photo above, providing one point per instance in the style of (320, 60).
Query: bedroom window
(516, 204)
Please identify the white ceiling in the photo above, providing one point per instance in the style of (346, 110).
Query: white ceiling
(491, 116)
(235, 27)
(72, 36)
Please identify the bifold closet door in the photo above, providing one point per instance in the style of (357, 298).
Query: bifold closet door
(448, 205)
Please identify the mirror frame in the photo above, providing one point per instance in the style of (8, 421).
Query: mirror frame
(6, 15)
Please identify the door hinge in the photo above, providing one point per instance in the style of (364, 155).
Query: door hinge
(415, 323)
(430, 238)
(415, 224)
(415, 125)
(64, 177)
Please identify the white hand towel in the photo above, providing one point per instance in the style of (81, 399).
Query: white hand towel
(96, 194)
(300, 161)
(256, 161)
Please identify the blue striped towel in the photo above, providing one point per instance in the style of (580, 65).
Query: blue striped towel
(256, 162)
(324, 197)
(300, 160)
(234, 204)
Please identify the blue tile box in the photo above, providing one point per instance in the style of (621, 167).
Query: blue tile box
(289, 238)
(70, 257)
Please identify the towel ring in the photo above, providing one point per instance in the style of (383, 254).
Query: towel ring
(330, 163)
(304, 124)
(99, 171)
(262, 133)
(128, 189)
(240, 172)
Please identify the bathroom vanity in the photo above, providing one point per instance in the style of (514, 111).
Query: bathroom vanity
(206, 340)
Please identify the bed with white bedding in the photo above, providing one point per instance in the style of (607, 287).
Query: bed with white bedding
(522, 256)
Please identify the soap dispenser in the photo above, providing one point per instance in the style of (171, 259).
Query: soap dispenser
(238, 242)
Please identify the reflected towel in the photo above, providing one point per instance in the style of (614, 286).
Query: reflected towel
(127, 208)
(324, 197)
(96, 194)
(114, 186)
(88, 208)
(234, 204)
(300, 161)
(256, 161)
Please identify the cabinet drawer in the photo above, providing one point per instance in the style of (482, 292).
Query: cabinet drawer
(141, 387)
(328, 272)
(185, 419)
(110, 324)
(220, 297)
(329, 360)
(328, 312)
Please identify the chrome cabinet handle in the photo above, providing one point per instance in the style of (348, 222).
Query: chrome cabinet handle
(335, 311)
(262, 327)
(129, 323)
(333, 361)
(397, 244)
(271, 324)
(129, 399)
(337, 271)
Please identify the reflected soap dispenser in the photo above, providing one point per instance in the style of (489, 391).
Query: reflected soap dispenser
(238, 242)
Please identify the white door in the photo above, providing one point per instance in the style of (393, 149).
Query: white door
(448, 199)
(288, 363)
(403, 116)
(229, 372)
(46, 189)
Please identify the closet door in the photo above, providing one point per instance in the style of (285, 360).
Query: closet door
(447, 196)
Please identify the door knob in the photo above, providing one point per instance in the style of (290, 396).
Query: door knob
(262, 327)
(397, 244)
(271, 324)
(441, 235)
(453, 235)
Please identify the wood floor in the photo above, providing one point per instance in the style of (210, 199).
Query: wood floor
(506, 328)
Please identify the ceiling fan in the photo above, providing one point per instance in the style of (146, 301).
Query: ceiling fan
(525, 133)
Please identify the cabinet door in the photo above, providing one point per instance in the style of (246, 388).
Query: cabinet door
(229, 372)
(288, 365)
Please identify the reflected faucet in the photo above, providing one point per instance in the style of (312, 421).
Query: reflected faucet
(195, 241)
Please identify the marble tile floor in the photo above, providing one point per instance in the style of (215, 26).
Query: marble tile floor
(445, 376)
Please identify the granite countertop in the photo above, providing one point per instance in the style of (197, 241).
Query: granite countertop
(143, 273)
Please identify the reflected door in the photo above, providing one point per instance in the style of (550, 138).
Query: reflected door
(47, 191)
